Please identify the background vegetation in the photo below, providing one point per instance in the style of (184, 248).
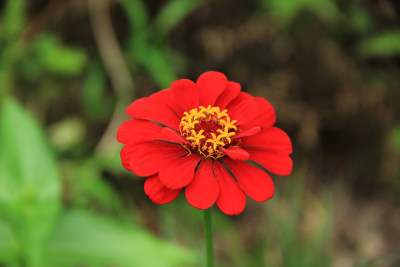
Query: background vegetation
(68, 69)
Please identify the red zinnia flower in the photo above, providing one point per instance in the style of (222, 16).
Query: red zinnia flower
(198, 136)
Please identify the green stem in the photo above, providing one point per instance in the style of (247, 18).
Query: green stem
(209, 238)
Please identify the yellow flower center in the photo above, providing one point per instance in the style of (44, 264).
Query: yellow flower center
(207, 129)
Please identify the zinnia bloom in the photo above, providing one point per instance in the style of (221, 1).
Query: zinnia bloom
(201, 136)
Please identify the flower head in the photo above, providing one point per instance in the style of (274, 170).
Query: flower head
(201, 136)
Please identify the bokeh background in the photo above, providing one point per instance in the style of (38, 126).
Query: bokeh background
(69, 68)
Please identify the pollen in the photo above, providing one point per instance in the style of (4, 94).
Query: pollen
(208, 129)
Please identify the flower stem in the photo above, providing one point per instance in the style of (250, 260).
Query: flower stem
(209, 238)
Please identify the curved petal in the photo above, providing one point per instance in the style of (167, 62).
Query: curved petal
(157, 192)
(271, 138)
(134, 131)
(240, 98)
(202, 192)
(146, 159)
(266, 113)
(158, 107)
(236, 153)
(185, 94)
(275, 162)
(256, 183)
(178, 172)
(243, 109)
(248, 132)
(125, 154)
(231, 198)
(173, 136)
(231, 91)
(211, 84)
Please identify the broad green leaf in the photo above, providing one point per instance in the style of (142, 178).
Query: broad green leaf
(8, 245)
(29, 185)
(85, 239)
(383, 45)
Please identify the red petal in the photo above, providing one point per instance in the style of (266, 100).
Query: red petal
(147, 158)
(158, 107)
(202, 192)
(157, 192)
(185, 94)
(231, 91)
(243, 96)
(236, 153)
(231, 198)
(172, 136)
(251, 111)
(270, 138)
(125, 154)
(249, 132)
(256, 183)
(211, 85)
(275, 162)
(266, 115)
(178, 172)
(243, 109)
(134, 131)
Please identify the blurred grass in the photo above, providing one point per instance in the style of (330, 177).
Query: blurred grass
(330, 68)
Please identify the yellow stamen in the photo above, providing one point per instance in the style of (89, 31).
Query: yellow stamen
(208, 129)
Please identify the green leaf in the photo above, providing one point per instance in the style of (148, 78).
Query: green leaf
(12, 19)
(394, 137)
(8, 245)
(85, 239)
(87, 188)
(137, 15)
(284, 11)
(58, 58)
(360, 19)
(383, 45)
(12, 22)
(29, 184)
(171, 14)
(157, 63)
(97, 105)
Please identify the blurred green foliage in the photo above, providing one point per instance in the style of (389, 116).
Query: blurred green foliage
(285, 11)
(82, 237)
(294, 212)
(54, 57)
(13, 20)
(93, 92)
(146, 45)
(383, 45)
(29, 185)
(32, 229)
